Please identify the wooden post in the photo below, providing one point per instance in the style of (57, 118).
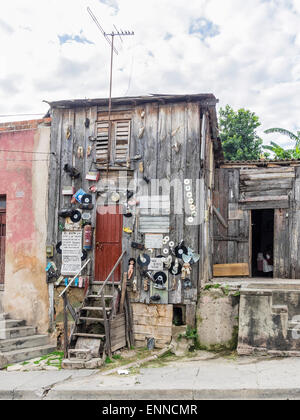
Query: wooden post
(66, 334)
(107, 327)
(123, 293)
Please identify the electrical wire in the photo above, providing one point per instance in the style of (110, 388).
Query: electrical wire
(24, 151)
(26, 160)
(19, 115)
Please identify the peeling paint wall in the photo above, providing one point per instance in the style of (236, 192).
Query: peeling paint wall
(24, 181)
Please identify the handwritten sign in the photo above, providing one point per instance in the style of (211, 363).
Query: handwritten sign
(156, 264)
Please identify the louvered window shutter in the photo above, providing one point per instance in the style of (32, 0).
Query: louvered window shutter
(122, 136)
(102, 141)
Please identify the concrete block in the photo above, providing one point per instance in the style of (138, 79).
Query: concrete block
(217, 318)
(94, 364)
(84, 354)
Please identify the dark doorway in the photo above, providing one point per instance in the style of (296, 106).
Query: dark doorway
(262, 243)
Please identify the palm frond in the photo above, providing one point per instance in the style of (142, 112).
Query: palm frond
(284, 132)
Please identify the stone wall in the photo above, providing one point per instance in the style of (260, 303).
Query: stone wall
(217, 318)
(270, 321)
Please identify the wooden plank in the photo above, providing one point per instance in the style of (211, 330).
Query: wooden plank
(165, 311)
(163, 338)
(265, 185)
(149, 320)
(220, 217)
(264, 198)
(153, 329)
(272, 176)
(231, 270)
(267, 170)
(266, 205)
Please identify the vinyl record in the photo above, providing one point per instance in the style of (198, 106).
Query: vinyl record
(174, 271)
(84, 255)
(87, 199)
(76, 216)
(144, 260)
(58, 247)
(160, 277)
(180, 250)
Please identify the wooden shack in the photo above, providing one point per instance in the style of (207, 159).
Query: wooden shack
(257, 207)
(154, 155)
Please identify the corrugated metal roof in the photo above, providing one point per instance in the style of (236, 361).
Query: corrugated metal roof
(260, 162)
(205, 99)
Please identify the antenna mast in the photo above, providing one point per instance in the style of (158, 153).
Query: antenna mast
(110, 37)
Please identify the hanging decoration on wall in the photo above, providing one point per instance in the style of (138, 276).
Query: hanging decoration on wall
(87, 199)
(180, 250)
(175, 268)
(186, 271)
(75, 216)
(191, 257)
(160, 279)
(84, 255)
(59, 247)
(73, 172)
(80, 152)
(131, 263)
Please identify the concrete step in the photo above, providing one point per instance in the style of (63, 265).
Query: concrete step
(18, 332)
(23, 342)
(4, 316)
(23, 355)
(11, 323)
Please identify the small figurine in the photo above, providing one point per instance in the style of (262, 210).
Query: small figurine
(131, 263)
(186, 271)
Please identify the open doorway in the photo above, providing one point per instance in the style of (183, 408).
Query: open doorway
(262, 243)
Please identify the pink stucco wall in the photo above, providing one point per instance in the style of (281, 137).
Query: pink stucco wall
(24, 180)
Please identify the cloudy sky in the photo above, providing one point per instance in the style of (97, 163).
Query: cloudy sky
(246, 52)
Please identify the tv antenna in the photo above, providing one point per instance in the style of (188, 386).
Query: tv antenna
(110, 38)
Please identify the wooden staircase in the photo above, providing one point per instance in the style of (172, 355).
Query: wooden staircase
(102, 324)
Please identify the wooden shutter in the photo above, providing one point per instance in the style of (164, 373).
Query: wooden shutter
(119, 140)
(122, 136)
(102, 141)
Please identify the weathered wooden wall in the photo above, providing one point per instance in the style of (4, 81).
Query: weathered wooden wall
(242, 189)
(176, 145)
(152, 321)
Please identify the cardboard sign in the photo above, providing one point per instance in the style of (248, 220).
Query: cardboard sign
(156, 264)
(153, 241)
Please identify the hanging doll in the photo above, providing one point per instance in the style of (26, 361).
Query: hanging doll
(131, 263)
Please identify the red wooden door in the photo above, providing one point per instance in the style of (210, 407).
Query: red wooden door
(2, 244)
(109, 230)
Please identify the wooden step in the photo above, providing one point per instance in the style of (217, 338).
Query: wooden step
(85, 318)
(89, 335)
(99, 296)
(94, 308)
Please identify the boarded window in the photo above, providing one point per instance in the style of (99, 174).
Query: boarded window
(120, 138)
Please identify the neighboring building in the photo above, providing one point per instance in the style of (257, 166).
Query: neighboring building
(260, 203)
(23, 220)
(155, 191)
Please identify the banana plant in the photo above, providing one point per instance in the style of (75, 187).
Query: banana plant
(292, 136)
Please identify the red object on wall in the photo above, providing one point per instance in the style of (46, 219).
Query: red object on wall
(109, 231)
(87, 237)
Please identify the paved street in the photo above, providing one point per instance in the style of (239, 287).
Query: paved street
(245, 378)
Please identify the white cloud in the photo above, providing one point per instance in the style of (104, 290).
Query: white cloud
(246, 53)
